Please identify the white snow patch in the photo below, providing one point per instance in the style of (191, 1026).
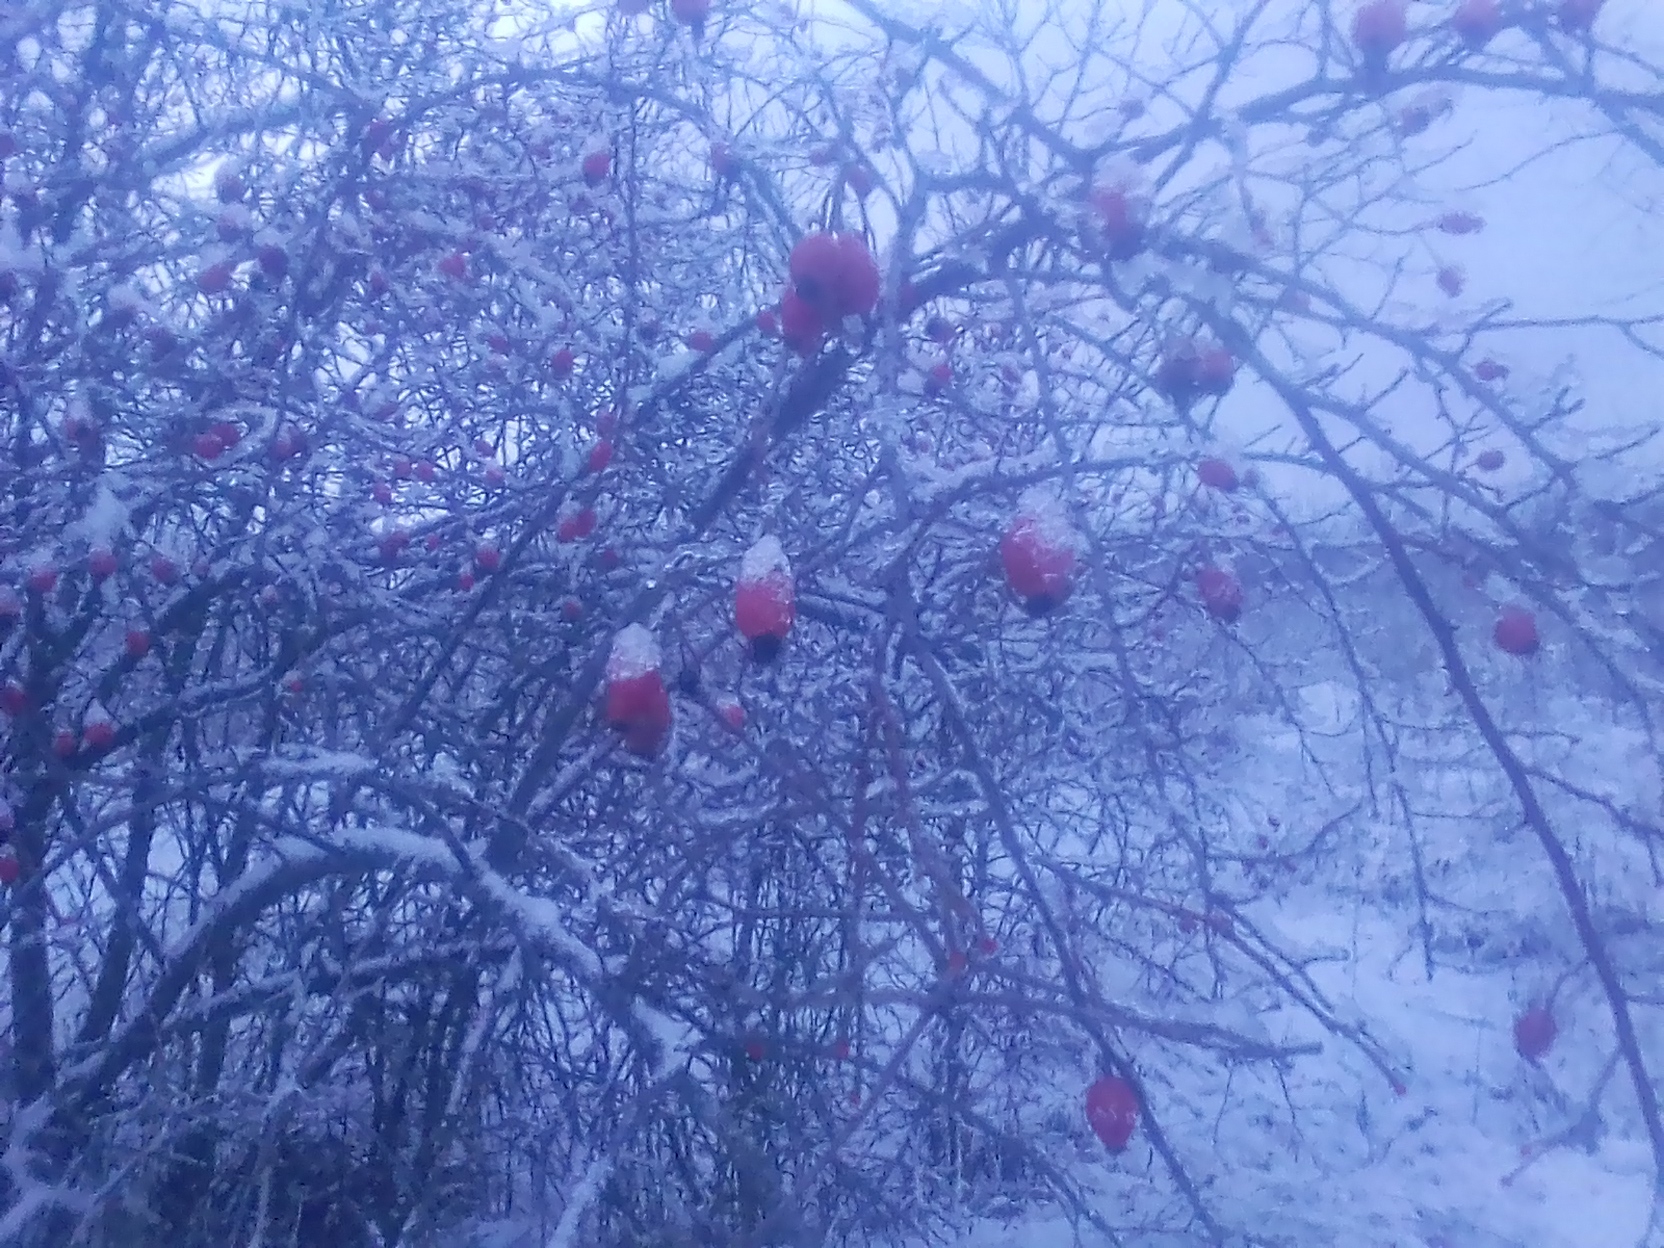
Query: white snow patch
(105, 518)
(1044, 511)
(545, 919)
(634, 653)
(398, 844)
(677, 1041)
(765, 560)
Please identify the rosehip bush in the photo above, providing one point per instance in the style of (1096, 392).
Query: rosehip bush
(706, 627)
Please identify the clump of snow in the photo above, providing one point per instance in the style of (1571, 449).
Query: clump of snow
(765, 560)
(104, 520)
(1044, 514)
(1122, 173)
(634, 653)
(678, 1042)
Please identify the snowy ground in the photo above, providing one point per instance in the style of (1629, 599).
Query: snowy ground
(1439, 1167)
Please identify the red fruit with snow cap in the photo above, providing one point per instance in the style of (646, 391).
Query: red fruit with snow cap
(1038, 554)
(1217, 474)
(1215, 370)
(1221, 593)
(576, 524)
(273, 260)
(1112, 1111)
(637, 703)
(765, 598)
(98, 733)
(216, 278)
(1478, 21)
(393, 544)
(1460, 223)
(835, 274)
(1534, 1032)
(1516, 631)
(1120, 221)
(1379, 27)
(597, 167)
